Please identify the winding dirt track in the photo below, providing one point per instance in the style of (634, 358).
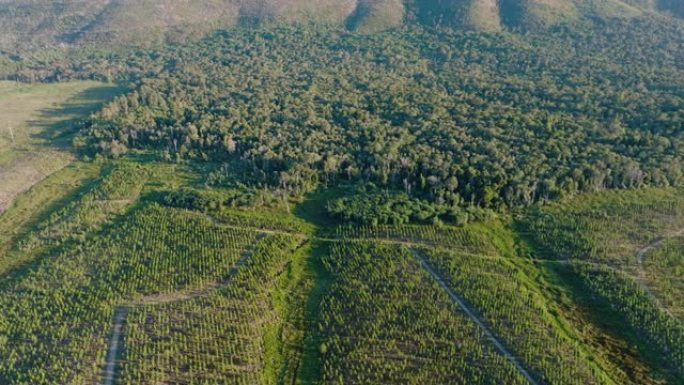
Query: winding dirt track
(500, 346)
(641, 255)
(120, 312)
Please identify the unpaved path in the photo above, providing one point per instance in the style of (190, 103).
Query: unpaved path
(122, 310)
(113, 350)
(397, 242)
(500, 346)
(641, 253)
(157, 299)
(642, 279)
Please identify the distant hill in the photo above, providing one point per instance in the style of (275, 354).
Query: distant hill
(47, 23)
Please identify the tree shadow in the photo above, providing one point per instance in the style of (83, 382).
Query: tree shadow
(313, 207)
(58, 124)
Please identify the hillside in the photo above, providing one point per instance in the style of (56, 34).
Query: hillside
(455, 119)
(44, 23)
(341, 192)
(37, 124)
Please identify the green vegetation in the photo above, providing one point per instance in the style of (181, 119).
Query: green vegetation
(608, 238)
(230, 335)
(608, 227)
(373, 208)
(454, 119)
(154, 252)
(517, 310)
(385, 321)
(664, 272)
(315, 201)
(212, 293)
(657, 330)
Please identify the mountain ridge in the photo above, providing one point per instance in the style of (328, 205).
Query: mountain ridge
(79, 22)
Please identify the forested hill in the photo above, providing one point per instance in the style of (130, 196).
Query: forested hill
(30, 24)
(457, 119)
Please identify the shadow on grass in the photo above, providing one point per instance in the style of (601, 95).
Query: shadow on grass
(309, 369)
(313, 208)
(59, 123)
(24, 267)
(625, 344)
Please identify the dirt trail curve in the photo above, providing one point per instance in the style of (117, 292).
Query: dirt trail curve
(120, 312)
(500, 346)
(641, 255)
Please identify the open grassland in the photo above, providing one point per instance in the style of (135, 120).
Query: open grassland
(35, 126)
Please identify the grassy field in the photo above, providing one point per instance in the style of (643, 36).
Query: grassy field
(35, 126)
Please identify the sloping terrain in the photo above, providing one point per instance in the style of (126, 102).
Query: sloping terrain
(36, 121)
(148, 294)
(42, 23)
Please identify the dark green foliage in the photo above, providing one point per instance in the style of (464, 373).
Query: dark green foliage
(371, 206)
(206, 201)
(379, 207)
(454, 118)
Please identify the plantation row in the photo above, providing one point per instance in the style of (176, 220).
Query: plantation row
(385, 321)
(664, 268)
(608, 227)
(520, 314)
(656, 329)
(110, 195)
(227, 337)
(56, 318)
(163, 250)
(611, 228)
(456, 237)
(262, 220)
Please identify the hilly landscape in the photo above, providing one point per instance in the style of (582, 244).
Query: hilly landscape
(40, 24)
(351, 192)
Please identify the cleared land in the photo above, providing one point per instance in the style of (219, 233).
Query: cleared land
(35, 126)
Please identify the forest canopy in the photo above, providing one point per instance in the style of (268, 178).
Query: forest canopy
(452, 117)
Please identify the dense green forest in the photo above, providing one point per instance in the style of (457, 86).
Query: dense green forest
(457, 119)
(464, 192)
